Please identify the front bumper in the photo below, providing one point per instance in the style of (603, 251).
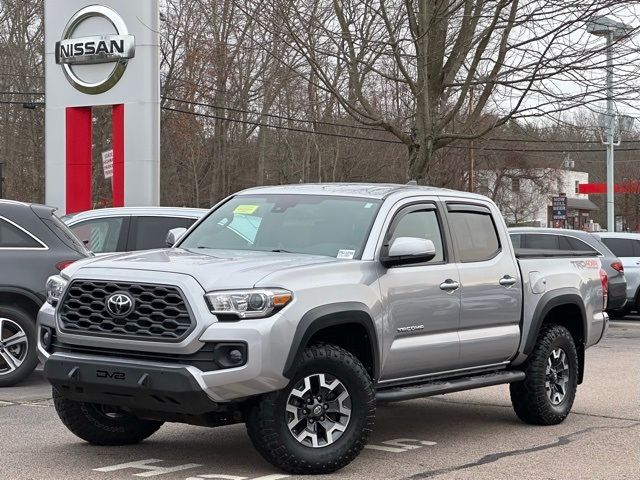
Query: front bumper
(148, 387)
(262, 372)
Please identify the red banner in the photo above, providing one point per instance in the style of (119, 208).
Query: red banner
(601, 188)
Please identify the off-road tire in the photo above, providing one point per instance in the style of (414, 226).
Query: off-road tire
(86, 421)
(30, 362)
(529, 397)
(266, 418)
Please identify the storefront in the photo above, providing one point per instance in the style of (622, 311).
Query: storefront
(579, 214)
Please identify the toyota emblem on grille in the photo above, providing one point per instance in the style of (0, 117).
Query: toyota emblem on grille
(120, 304)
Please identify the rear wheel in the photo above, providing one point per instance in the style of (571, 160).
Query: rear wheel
(546, 395)
(102, 424)
(321, 421)
(18, 356)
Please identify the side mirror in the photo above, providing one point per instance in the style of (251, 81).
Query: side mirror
(408, 251)
(174, 235)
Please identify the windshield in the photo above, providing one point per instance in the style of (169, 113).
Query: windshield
(311, 224)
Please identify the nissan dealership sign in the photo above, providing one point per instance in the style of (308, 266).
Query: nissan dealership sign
(115, 49)
(102, 54)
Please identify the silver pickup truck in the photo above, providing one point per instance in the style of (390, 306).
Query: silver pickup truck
(295, 309)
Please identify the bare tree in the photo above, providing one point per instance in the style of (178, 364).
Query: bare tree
(522, 59)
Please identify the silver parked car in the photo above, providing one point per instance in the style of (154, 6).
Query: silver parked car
(627, 247)
(127, 229)
(559, 239)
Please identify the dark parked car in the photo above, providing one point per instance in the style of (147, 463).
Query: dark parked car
(34, 244)
(558, 240)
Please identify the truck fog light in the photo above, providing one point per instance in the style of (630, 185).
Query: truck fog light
(45, 338)
(230, 355)
(235, 357)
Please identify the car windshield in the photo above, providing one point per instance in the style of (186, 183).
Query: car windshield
(310, 224)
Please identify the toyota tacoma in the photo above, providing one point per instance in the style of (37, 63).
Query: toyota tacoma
(295, 309)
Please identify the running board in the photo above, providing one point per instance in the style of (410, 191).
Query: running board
(438, 387)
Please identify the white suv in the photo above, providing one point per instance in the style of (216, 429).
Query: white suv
(626, 246)
(128, 229)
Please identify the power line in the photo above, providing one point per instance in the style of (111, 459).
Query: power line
(272, 115)
(292, 129)
(23, 103)
(22, 93)
(357, 127)
(355, 137)
(491, 149)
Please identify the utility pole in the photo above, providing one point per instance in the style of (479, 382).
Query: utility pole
(1, 180)
(613, 31)
(472, 160)
(611, 211)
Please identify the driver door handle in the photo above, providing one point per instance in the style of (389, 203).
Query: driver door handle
(507, 281)
(449, 285)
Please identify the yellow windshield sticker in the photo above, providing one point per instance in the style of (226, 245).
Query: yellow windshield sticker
(246, 209)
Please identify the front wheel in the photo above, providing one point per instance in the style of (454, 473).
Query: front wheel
(18, 356)
(546, 395)
(321, 421)
(102, 424)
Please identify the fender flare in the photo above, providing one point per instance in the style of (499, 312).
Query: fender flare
(37, 299)
(550, 300)
(331, 315)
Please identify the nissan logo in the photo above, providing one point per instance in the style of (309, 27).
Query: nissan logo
(120, 304)
(115, 48)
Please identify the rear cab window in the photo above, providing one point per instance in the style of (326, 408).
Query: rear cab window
(474, 232)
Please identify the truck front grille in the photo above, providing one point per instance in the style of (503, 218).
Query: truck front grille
(159, 312)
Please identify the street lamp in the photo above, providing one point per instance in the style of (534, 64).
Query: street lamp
(613, 31)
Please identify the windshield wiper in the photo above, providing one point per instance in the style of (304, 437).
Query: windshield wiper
(280, 250)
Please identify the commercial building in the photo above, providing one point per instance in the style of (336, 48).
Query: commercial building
(525, 196)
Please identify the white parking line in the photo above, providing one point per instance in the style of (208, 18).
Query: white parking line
(151, 470)
(400, 445)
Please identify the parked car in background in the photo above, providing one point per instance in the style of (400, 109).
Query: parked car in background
(627, 247)
(34, 244)
(556, 240)
(127, 229)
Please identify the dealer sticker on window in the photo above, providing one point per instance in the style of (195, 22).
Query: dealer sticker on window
(346, 254)
(246, 209)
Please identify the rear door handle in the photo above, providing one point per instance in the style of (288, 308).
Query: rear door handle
(449, 285)
(507, 281)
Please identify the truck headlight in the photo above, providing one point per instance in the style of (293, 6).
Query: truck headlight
(55, 286)
(255, 303)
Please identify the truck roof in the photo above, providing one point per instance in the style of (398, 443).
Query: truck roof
(366, 190)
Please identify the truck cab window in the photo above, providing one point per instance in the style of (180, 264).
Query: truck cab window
(421, 224)
(475, 236)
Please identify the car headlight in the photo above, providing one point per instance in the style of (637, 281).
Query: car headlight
(255, 303)
(55, 286)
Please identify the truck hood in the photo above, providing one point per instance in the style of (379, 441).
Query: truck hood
(213, 269)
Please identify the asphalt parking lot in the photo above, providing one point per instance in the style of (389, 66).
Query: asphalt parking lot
(469, 435)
